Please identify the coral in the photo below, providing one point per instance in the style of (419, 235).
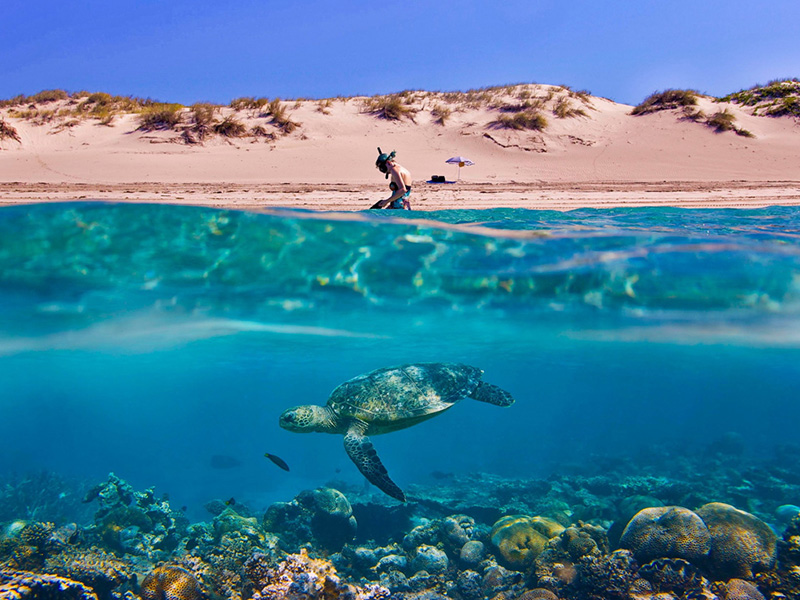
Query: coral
(22, 585)
(469, 585)
(520, 539)
(457, 530)
(429, 559)
(607, 577)
(499, 579)
(672, 575)
(170, 583)
(229, 521)
(93, 566)
(741, 544)
(666, 532)
(135, 522)
(538, 594)
(738, 589)
(299, 577)
(582, 540)
(323, 515)
(472, 552)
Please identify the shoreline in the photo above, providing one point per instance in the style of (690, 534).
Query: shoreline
(560, 196)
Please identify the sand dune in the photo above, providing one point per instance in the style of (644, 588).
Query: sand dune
(604, 157)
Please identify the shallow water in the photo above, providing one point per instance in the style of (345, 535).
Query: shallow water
(146, 339)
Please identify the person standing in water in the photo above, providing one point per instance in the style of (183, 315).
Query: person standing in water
(400, 184)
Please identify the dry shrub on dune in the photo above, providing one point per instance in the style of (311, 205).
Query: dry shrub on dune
(160, 117)
(530, 119)
(392, 107)
(8, 132)
(666, 100)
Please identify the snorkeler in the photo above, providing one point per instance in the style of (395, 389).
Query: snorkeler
(400, 184)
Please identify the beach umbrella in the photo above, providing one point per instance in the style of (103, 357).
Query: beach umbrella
(461, 162)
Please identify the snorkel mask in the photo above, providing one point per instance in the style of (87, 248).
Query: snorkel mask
(382, 160)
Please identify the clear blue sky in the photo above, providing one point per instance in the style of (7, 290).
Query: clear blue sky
(189, 51)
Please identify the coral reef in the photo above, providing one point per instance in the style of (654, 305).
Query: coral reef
(520, 538)
(21, 585)
(466, 538)
(170, 583)
(323, 515)
(741, 544)
(666, 532)
(300, 577)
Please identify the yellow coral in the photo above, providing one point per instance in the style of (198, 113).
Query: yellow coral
(521, 538)
(666, 532)
(170, 583)
(741, 543)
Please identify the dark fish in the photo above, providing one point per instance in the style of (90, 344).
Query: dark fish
(441, 475)
(277, 460)
(222, 461)
(231, 502)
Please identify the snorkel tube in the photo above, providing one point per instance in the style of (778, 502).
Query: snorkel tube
(382, 160)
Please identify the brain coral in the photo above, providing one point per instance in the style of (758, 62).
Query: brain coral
(666, 532)
(741, 544)
(737, 589)
(520, 539)
(170, 583)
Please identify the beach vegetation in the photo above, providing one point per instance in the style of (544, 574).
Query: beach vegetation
(722, 120)
(230, 127)
(160, 116)
(563, 109)
(280, 117)
(46, 96)
(259, 131)
(440, 113)
(392, 107)
(532, 119)
(8, 132)
(203, 119)
(777, 98)
(666, 100)
(324, 106)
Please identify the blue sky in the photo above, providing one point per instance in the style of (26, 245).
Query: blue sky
(189, 51)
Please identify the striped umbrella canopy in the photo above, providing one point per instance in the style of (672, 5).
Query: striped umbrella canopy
(461, 161)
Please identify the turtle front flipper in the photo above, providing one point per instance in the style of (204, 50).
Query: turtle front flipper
(360, 450)
(491, 394)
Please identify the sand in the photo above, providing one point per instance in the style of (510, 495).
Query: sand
(605, 158)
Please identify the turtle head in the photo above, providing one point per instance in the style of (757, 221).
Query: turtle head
(305, 419)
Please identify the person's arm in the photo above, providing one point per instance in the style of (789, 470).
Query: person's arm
(398, 193)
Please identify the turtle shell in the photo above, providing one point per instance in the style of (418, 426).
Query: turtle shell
(393, 395)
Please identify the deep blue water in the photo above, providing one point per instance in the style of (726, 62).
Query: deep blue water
(145, 339)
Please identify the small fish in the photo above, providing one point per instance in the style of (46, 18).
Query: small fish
(277, 460)
(230, 502)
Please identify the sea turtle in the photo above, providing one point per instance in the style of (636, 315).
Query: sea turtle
(386, 400)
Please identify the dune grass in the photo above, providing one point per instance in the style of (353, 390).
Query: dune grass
(280, 117)
(563, 109)
(160, 117)
(666, 100)
(530, 119)
(230, 126)
(777, 98)
(8, 132)
(393, 107)
(440, 113)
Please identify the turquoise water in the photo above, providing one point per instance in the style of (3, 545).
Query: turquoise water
(147, 339)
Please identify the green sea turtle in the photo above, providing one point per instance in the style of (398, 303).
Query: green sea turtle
(386, 400)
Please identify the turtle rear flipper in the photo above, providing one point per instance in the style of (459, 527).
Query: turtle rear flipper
(360, 450)
(491, 394)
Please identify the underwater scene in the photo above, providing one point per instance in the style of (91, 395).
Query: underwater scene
(501, 404)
